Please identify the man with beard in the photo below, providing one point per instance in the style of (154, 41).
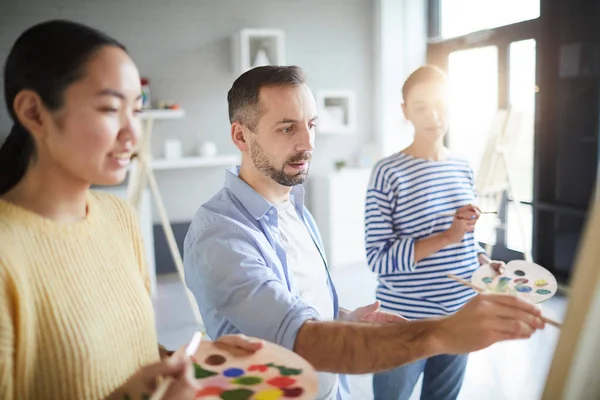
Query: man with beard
(254, 258)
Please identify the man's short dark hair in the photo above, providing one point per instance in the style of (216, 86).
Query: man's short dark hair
(242, 98)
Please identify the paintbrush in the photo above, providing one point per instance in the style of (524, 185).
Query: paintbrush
(452, 213)
(190, 350)
(480, 290)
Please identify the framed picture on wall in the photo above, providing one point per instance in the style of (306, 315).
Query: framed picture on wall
(337, 111)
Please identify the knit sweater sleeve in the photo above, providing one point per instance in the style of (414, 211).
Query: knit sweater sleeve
(140, 252)
(7, 336)
(129, 219)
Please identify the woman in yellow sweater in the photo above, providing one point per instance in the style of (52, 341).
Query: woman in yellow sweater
(76, 318)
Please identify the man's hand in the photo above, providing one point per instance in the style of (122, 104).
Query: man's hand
(371, 314)
(241, 342)
(485, 320)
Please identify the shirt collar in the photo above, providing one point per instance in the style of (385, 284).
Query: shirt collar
(256, 204)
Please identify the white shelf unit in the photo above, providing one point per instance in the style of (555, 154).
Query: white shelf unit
(246, 43)
(162, 114)
(337, 201)
(337, 111)
(194, 162)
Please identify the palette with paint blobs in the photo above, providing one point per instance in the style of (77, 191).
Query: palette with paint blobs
(272, 373)
(525, 279)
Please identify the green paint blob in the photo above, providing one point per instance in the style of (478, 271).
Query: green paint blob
(289, 371)
(248, 381)
(543, 291)
(237, 394)
(487, 280)
(284, 371)
(202, 373)
(502, 285)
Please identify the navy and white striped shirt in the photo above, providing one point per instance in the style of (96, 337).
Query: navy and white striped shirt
(405, 202)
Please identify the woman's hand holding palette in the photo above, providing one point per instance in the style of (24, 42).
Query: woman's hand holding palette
(525, 279)
(271, 373)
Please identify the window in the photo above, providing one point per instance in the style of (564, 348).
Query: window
(519, 220)
(460, 17)
(473, 84)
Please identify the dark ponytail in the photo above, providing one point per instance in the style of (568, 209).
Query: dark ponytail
(15, 153)
(46, 58)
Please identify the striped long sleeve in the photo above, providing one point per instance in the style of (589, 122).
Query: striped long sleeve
(409, 199)
(387, 252)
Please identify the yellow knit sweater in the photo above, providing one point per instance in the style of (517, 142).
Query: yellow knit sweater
(76, 317)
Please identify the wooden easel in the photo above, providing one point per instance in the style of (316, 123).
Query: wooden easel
(574, 370)
(493, 178)
(140, 175)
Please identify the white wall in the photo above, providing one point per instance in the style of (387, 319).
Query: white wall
(183, 47)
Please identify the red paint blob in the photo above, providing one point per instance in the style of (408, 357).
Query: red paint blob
(281, 382)
(259, 368)
(209, 391)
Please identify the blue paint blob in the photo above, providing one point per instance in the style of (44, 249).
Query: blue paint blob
(523, 289)
(233, 372)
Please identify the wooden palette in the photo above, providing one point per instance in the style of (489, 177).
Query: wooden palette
(272, 373)
(525, 279)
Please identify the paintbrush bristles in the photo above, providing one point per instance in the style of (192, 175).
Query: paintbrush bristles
(481, 290)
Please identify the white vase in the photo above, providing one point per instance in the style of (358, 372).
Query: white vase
(261, 58)
(207, 149)
(173, 149)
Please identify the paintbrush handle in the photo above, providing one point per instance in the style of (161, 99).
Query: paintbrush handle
(481, 290)
(190, 350)
(451, 213)
(552, 322)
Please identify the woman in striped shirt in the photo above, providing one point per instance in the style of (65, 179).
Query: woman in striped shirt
(419, 226)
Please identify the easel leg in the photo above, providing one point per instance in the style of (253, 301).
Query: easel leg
(166, 224)
(140, 176)
(137, 178)
(526, 251)
(495, 176)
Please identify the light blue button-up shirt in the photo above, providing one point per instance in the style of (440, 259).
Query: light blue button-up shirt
(235, 265)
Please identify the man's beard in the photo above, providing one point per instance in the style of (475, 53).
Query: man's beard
(262, 163)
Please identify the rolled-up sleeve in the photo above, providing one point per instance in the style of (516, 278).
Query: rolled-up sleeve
(235, 289)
